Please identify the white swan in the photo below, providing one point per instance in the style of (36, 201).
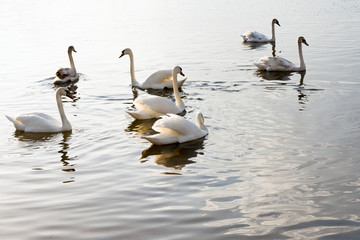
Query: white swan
(281, 64)
(40, 122)
(176, 129)
(151, 106)
(259, 37)
(66, 75)
(158, 80)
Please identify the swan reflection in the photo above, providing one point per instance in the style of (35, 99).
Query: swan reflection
(283, 76)
(36, 139)
(302, 97)
(141, 127)
(258, 45)
(166, 92)
(174, 156)
(286, 76)
(65, 158)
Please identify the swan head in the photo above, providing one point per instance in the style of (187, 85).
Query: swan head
(126, 51)
(177, 70)
(71, 49)
(62, 91)
(275, 21)
(301, 39)
(200, 122)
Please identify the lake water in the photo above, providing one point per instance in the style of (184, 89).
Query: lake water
(282, 156)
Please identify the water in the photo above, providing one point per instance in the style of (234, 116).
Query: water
(280, 161)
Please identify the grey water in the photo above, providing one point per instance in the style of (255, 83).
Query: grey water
(281, 160)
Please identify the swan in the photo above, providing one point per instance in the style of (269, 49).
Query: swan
(158, 80)
(281, 64)
(176, 129)
(40, 122)
(259, 37)
(65, 75)
(151, 106)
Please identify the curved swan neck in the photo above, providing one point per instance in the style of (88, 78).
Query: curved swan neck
(132, 71)
(178, 100)
(66, 126)
(71, 60)
(302, 62)
(273, 31)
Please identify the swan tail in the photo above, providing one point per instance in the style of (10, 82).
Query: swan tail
(10, 118)
(260, 66)
(181, 82)
(18, 125)
(136, 115)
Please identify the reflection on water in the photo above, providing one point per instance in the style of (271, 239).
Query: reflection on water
(302, 97)
(252, 45)
(34, 139)
(65, 158)
(174, 156)
(283, 77)
(141, 127)
(158, 92)
(266, 75)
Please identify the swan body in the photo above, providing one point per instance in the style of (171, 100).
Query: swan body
(158, 80)
(257, 37)
(281, 64)
(40, 122)
(66, 75)
(176, 129)
(151, 106)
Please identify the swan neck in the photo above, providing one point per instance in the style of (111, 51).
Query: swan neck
(178, 99)
(66, 126)
(273, 32)
(132, 70)
(301, 57)
(71, 60)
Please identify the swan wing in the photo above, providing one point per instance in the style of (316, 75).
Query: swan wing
(66, 72)
(255, 37)
(159, 80)
(176, 124)
(37, 122)
(275, 64)
(160, 76)
(158, 104)
(174, 129)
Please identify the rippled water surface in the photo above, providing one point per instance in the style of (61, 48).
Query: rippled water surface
(282, 156)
